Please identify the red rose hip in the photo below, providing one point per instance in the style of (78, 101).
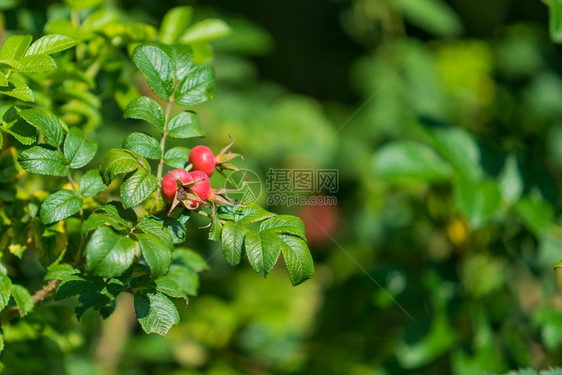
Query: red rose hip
(201, 187)
(169, 185)
(203, 159)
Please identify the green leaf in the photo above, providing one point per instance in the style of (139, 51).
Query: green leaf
(155, 225)
(52, 43)
(23, 299)
(98, 21)
(124, 216)
(458, 147)
(215, 230)
(510, 181)
(93, 292)
(168, 228)
(176, 227)
(284, 224)
(112, 214)
(262, 249)
(550, 323)
(47, 123)
(70, 286)
(91, 183)
(10, 64)
(556, 20)
(177, 157)
(143, 144)
(14, 47)
(18, 128)
(433, 16)
(118, 161)
(480, 202)
(197, 87)
(426, 346)
(174, 23)
(232, 238)
(298, 259)
(185, 125)
(78, 151)
(18, 89)
(406, 159)
(189, 258)
(156, 68)
(137, 188)
(37, 64)
(246, 214)
(60, 205)
(145, 108)
(155, 312)
(62, 26)
(99, 295)
(43, 161)
(83, 4)
(526, 371)
(109, 254)
(5, 290)
(3, 80)
(536, 214)
(202, 52)
(156, 253)
(52, 243)
(60, 272)
(203, 31)
(182, 59)
(179, 282)
(96, 220)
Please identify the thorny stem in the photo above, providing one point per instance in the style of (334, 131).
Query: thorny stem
(163, 148)
(42, 293)
(37, 297)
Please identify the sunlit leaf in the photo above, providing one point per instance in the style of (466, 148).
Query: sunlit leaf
(60, 205)
(174, 23)
(155, 312)
(109, 254)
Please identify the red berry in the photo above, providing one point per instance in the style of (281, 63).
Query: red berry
(169, 185)
(201, 188)
(202, 159)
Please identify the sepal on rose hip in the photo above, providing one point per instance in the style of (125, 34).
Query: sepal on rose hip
(191, 189)
(224, 157)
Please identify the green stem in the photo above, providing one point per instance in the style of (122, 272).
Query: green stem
(163, 148)
(75, 189)
(76, 23)
(96, 65)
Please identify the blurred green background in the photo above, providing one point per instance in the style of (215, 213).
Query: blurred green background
(444, 120)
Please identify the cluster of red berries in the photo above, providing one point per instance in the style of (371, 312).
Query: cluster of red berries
(191, 187)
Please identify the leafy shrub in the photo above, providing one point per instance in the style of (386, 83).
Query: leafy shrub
(99, 227)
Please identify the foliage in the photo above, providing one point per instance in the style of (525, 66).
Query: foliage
(439, 257)
(99, 227)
